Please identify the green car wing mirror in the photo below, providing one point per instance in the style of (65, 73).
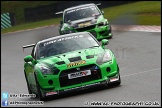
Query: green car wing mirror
(104, 42)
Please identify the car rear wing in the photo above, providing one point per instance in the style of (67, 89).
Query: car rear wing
(98, 4)
(59, 12)
(27, 46)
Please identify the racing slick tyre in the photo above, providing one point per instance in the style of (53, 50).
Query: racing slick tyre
(29, 90)
(41, 98)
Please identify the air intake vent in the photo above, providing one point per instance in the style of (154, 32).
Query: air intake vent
(75, 59)
(90, 56)
(55, 71)
(86, 28)
(60, 62)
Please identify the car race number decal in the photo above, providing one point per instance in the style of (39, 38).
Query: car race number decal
(76, 63)
(79, 74)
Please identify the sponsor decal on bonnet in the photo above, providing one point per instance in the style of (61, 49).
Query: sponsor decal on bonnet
(61, 39)
(76, 63)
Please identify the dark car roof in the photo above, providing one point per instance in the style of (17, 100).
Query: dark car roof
(61, 36)
(90, 4)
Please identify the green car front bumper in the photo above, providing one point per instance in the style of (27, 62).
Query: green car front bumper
(99, 32)
(105, 74)
(83, 86)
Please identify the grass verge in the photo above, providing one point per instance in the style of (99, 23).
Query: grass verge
(18, 7)
(145, 13)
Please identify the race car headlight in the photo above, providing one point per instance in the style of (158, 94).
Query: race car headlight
(45, 70)
(67, 28)
(103, 23)
(106, 23)
(107, 57)
(104, 57)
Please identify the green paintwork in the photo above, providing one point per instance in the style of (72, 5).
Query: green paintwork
(32, 66)
(28, 58)
(55, 78)
(101, 31)
(104, 42)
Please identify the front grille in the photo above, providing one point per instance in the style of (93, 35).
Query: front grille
(64, 81)
(104, 33)
(86, 28)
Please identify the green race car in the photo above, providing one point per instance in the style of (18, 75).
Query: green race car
(68, 63)
(87, 17)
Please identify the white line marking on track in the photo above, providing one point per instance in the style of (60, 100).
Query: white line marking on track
(141, 72)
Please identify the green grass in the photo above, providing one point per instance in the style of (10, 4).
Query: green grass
(32, 25)
(145, 13)
(149, 20)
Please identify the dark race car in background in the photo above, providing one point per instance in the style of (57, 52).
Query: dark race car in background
(87, 17)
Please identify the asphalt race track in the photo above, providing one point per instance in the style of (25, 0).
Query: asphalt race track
(138, 55)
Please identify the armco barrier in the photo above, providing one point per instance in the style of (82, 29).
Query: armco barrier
(48, 11)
